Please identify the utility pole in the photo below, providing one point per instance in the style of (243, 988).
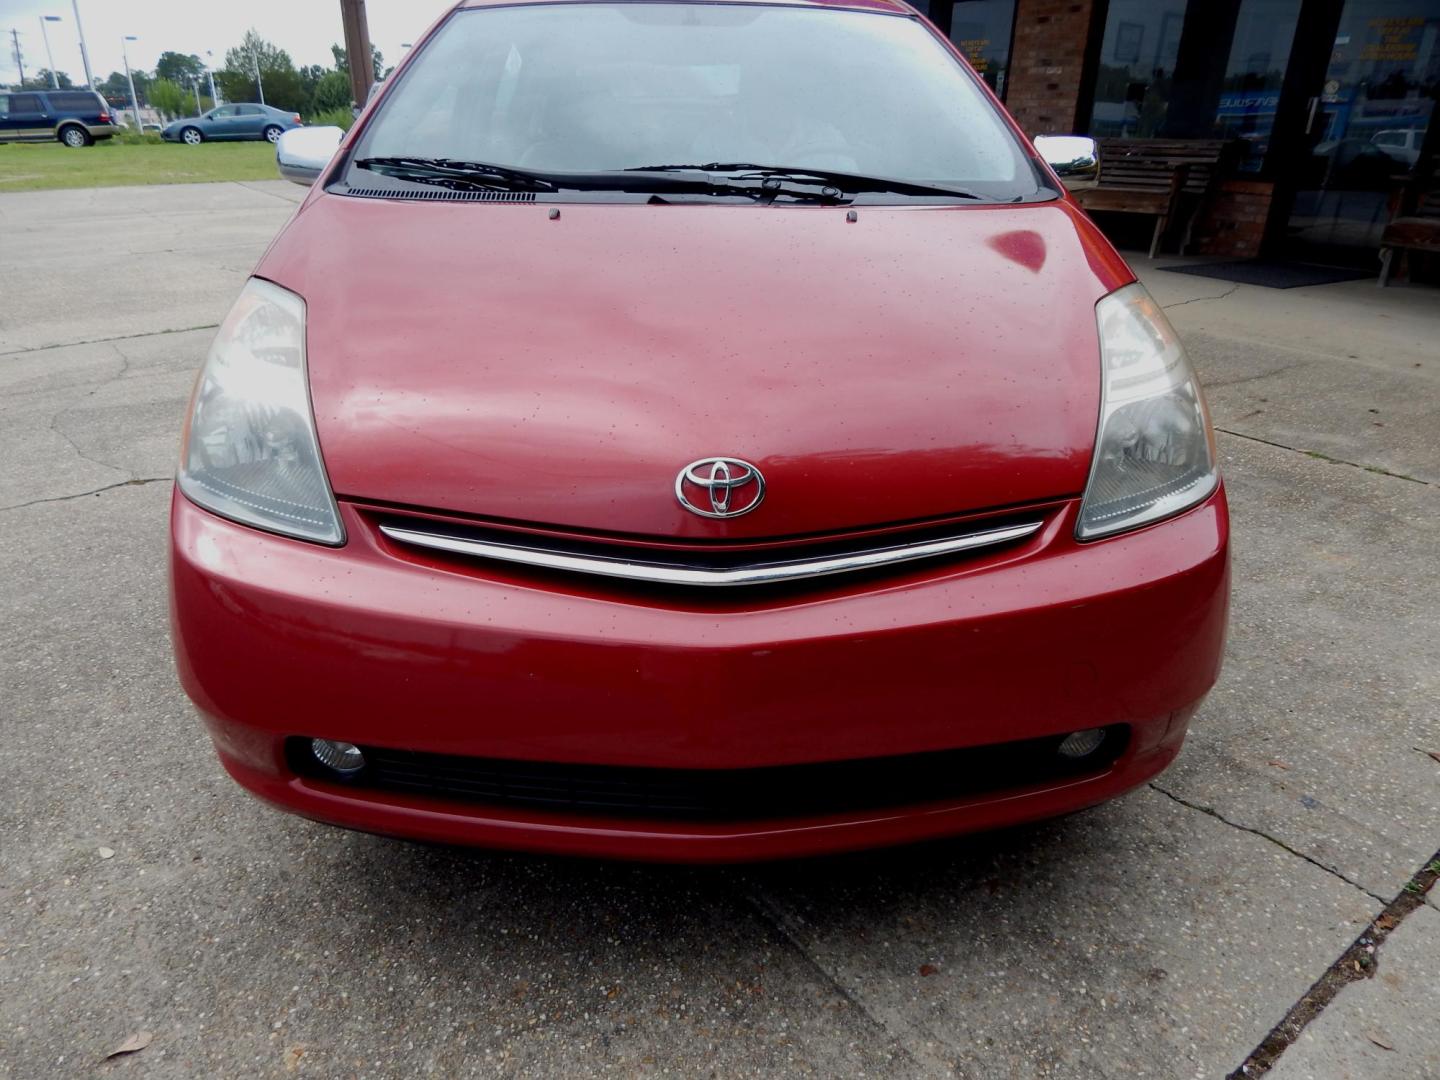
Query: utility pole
(84, 56)
(134, 101)
(54, 79)
(19, 56)
(357, 50)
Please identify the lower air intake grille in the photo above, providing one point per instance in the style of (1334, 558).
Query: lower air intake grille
(724, 794)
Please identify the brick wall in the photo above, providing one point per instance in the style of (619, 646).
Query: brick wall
(1234, 224)
(1043, 85)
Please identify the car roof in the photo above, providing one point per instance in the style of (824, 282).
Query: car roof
(890, 7)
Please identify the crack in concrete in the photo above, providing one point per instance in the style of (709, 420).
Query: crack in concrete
(134, 481)
(56, 429)
(1361, 960)
(772, 916)
(107, 340)
(249, 186)
(1212, 812)
(1199, 299)
(1212, 384)
(124, 366)
(1376, 469)
(81, 454)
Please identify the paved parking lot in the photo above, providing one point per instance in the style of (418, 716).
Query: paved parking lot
(1163, 935)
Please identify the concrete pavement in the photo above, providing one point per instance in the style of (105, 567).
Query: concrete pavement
(1163, 935)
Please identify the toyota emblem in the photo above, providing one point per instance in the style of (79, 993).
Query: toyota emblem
(720, 487)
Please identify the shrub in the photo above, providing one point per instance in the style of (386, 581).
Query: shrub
(332, 92)
(128, 136)
(341, 118)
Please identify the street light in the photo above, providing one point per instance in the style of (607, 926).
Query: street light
(209, 70)
(134, 101)
(84, 56)
(54, 79)
(260, 86)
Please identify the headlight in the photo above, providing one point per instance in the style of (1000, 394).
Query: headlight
(252, 454)
(1155, 453)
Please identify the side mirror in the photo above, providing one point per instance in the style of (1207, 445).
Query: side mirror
(302, 153)
(1075, 159)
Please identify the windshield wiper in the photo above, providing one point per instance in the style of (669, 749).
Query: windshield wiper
(666, 180)
(851, 182)
(447, 170)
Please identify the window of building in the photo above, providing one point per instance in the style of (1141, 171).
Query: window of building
(981, 29)
(1157, 76)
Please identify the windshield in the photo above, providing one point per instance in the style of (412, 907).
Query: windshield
(608, 87)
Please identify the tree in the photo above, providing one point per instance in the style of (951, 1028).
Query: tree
(116, 89)
(170, 98)
(236, 85)
(254, 51)
(342, 61)
(179, 69)
(41, 81)
(284, 87)
(331, 92)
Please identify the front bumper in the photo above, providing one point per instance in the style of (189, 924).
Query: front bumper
(278, 638)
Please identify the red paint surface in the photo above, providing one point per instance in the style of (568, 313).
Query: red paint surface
(484, 359)
(481, 359)
(276, 637)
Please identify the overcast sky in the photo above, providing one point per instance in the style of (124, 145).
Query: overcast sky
(303, 28)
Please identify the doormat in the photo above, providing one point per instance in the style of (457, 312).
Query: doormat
(1274, 275)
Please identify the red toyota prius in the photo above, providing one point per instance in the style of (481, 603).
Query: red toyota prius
(693, 431)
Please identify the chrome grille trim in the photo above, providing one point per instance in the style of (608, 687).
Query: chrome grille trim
(661, 573)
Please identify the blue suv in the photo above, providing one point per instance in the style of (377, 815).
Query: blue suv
(75, 117)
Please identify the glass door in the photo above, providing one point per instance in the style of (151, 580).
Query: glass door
(1364, 129)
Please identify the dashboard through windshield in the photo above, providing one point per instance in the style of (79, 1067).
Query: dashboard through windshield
(556, 88)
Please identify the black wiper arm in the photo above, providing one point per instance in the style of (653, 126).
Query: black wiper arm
(442, 170)
(852, 182)
(448, 170)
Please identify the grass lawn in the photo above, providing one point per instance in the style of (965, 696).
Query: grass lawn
(37, 166)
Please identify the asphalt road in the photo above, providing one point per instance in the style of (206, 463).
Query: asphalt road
(1163, 935)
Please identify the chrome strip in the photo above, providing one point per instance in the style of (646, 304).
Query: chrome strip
(662, 574)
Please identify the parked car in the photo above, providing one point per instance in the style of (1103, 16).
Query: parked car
(706, 432)
(236, 121)
(75, 117)
(1402, 144)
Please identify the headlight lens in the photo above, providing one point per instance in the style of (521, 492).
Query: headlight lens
(252, 455)
(1155, 453)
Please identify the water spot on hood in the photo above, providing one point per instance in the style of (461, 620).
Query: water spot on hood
(1023, 246)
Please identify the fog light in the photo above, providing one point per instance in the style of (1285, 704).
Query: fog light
(343, 757)
(1080, 744)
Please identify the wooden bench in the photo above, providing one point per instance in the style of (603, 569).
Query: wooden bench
(1415, 226)
(1162, 177)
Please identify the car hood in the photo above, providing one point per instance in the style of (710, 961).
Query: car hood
(492, 360)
